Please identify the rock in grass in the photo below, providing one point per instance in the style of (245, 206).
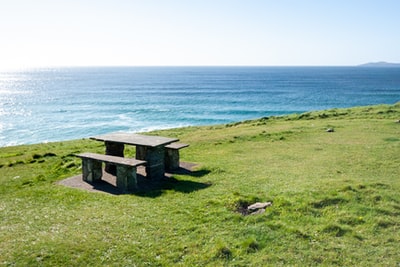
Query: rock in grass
(330, 130)
(259, 211)
(259, 205)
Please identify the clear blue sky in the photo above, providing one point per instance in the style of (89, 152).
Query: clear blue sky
(203, 32)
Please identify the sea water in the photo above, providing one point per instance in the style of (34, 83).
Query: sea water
(53, 104)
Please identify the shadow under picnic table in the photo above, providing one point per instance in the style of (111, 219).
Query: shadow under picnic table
(145, 187)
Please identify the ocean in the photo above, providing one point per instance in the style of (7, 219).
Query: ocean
(55, 104)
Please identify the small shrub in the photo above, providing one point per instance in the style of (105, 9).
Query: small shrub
(250, 245)
(70, 165)
(49, 154)
(335, 230)
(361, 186)
(377, 198)
(36, 156)
(348, 188)
(223, 252)
(323, 116)
(351, 220)
(18, 162)
(392, 139)
(304, 116)
(328, 202)
(385, 224)
(40, 178)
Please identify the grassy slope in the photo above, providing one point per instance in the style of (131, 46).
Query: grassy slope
(335, 198)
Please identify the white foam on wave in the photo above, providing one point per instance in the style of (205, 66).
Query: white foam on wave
(14, 92)
(161, 127)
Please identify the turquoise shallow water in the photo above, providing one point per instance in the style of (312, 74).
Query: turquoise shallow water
(55, 104)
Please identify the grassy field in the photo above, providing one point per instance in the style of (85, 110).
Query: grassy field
(335, 195)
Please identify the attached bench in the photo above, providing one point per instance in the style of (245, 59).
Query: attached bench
(126, 169)
(172, 155)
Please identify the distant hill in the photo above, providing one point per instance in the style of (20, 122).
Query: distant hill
(380, 64)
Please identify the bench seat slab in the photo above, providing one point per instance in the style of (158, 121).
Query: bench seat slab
(125, 169)
(176, 145)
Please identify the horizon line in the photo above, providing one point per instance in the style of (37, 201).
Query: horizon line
(369, 64)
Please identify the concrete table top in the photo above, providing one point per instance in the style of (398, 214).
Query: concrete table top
(135, 139)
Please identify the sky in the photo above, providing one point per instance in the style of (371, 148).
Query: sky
(48, 33)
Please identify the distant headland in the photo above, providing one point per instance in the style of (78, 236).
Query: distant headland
(380, 64)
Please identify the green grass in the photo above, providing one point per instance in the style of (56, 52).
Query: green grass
(335, 198)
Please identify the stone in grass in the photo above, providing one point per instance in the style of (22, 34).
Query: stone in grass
(259, 206)
(330, 130)
(259, 211)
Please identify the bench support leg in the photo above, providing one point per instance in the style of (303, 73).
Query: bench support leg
(91, 170)
(171, 159)
(126, 178)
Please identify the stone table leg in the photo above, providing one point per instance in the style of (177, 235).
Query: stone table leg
(113, 149)
(141, 152)
(155, 168)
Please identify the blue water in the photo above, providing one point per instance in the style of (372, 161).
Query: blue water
(56, 104)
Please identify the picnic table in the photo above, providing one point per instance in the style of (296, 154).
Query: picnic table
(148, 148)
